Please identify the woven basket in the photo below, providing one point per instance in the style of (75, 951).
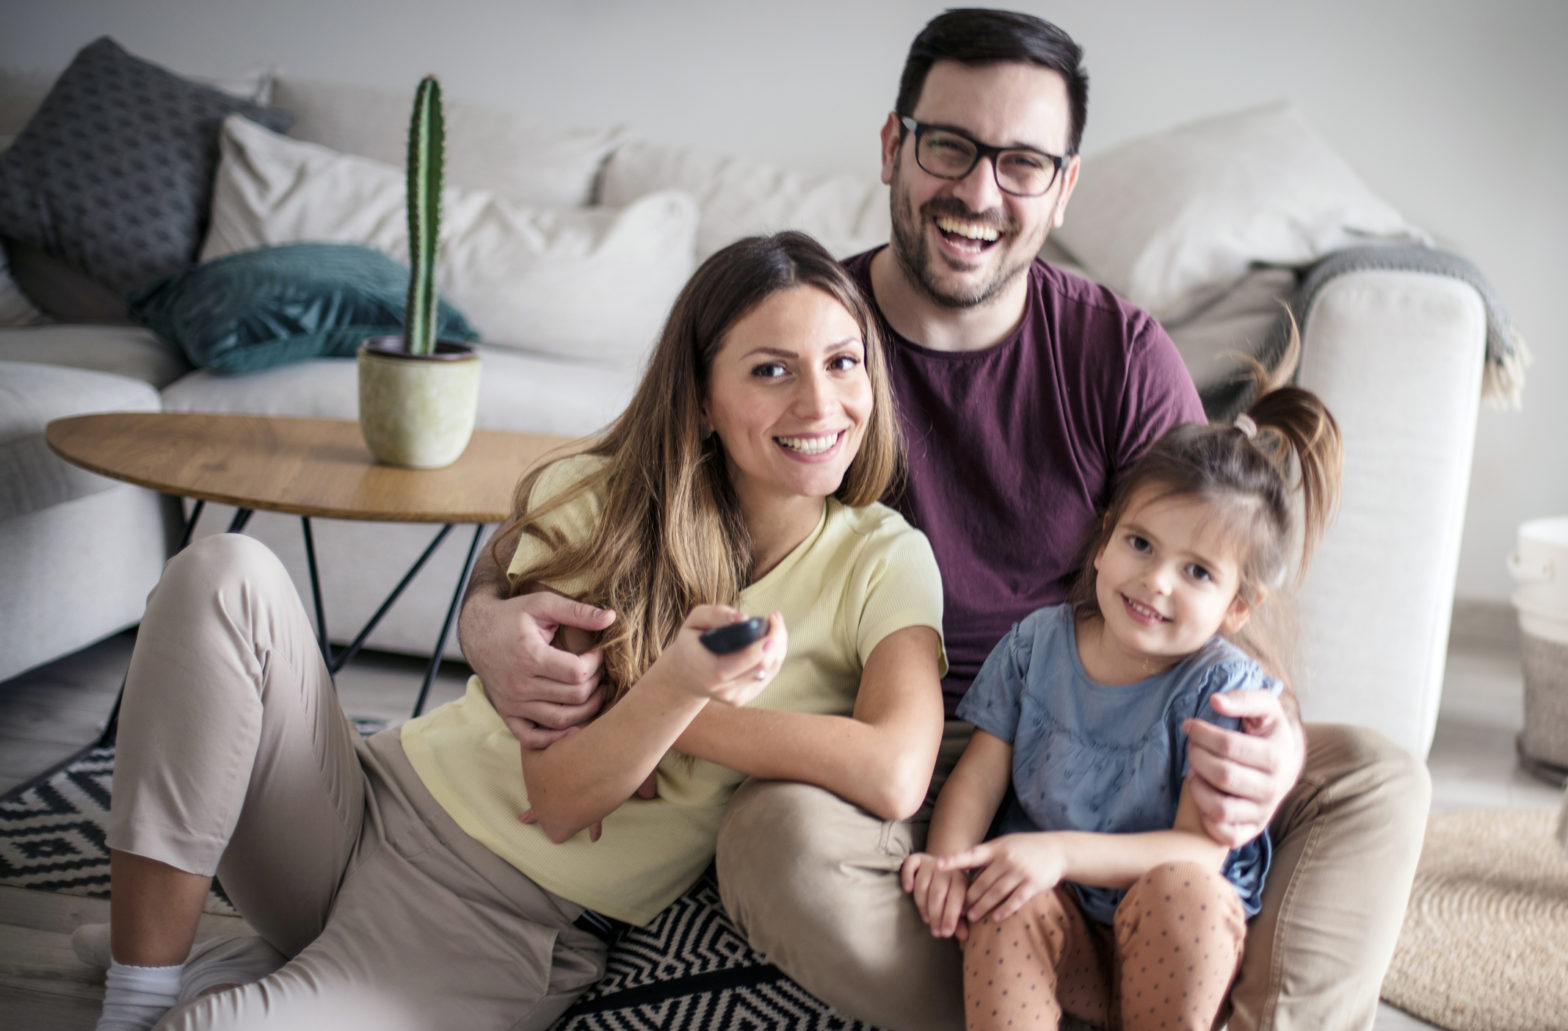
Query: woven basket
(1545, 734)
(1539, 566)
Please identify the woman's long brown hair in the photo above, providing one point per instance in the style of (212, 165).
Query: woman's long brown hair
(671, 535)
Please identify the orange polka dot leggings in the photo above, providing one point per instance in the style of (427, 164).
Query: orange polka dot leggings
(1167, 963)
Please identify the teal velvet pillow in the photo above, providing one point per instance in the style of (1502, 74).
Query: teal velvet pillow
(274, 305)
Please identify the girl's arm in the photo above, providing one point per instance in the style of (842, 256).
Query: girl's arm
(581, 778)
(964, 810)
(880, 758)
(1243, 776)
(1019, 866)
(972, 795)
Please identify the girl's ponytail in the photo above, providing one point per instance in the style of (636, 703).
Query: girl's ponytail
(1249, 470)
(1298, 434)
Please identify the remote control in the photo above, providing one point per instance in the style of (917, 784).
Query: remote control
(722, 640)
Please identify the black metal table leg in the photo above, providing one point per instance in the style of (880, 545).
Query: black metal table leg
(315, 595)
(451, 617)
(353, 649)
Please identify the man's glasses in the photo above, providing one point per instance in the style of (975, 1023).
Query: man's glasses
(949, 154)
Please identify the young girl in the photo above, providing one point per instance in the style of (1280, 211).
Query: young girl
(1101, 895)
(390, 879)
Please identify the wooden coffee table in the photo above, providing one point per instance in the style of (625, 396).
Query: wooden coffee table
(306, 467)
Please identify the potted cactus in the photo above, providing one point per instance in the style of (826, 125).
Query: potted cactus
(418, 395)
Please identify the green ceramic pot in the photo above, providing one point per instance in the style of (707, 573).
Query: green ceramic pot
(417, 411)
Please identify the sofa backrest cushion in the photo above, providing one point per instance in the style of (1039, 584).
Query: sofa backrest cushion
(114, 171)
(275, 305)
(582, 283)
(486, 148)
(1170, 220)
(738, 197)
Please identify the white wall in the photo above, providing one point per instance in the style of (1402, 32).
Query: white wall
(1452, 110)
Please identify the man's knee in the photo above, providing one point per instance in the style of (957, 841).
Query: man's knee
(1357, 768)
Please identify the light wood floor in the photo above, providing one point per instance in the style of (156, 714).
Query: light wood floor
(47, 714)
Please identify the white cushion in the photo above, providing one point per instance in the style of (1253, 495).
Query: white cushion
(485, 148)
(847, 214)
(524, 392)
(1166, 219)
(582, 283)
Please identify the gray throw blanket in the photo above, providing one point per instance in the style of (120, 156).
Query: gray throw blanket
(1502, 383)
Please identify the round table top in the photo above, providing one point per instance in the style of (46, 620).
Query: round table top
(310, 467)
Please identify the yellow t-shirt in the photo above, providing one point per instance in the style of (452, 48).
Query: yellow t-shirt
(861, 574)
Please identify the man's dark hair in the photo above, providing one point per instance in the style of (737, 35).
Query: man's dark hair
(976, 36)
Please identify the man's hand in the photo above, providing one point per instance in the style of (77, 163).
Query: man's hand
(1239, 778)
(539, 689)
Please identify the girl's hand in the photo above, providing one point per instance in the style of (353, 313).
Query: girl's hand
(733, 679)
(1017, 867)
(938, 894)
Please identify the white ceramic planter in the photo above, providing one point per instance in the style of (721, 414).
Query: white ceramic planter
(417, 411)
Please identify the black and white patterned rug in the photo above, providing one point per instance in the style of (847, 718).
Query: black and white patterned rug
(689, 970)
(51, 831)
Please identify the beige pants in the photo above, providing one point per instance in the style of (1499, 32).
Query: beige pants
(812, 882)
(1167, 963)
(234, 758)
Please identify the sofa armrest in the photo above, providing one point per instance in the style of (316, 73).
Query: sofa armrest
(1397, 357)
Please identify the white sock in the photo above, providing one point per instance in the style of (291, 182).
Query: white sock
(136, 997)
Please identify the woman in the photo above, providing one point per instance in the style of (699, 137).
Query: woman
(396, 873)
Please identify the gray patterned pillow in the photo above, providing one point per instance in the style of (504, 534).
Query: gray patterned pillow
(114, 172)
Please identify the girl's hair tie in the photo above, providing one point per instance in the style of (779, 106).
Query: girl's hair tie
(1248, 428)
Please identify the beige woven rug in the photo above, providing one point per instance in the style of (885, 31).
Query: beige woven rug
(1484, 945)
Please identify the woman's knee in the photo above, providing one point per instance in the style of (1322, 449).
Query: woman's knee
(221, 601)
(208, 563)
(775, 811)
(793, 854)
(783, 830)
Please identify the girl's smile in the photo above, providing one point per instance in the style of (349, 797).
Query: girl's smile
(1166, 582)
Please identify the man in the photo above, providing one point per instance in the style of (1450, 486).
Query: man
(1022, 391)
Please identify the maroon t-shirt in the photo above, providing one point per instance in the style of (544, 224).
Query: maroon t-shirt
(1013, 450)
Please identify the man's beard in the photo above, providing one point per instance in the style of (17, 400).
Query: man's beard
(919, 263)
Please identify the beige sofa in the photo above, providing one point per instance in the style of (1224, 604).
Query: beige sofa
(565, 248)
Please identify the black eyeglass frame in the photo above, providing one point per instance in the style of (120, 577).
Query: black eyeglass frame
(982, 150)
